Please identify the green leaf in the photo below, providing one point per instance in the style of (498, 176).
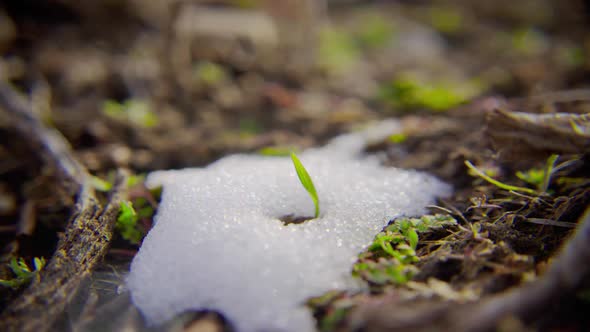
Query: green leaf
(306, 181)
(22, 272)
(210, 73)
(534, 176)
(12, 283)
(127, 215)
(23, 265)
(549, 167)
(412, 237)
(135, 111)
(397, 138)
(497, 183)
(39, 263)
(127, 223)
(134, 180)
(386, 246)
(100, 184)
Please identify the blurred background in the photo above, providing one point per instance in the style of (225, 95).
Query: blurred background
(163, 84)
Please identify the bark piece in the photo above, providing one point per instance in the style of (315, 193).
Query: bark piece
(86, 237)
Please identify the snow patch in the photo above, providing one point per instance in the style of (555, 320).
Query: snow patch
(218, 242)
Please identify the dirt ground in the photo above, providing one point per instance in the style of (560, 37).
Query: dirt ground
(493, 98)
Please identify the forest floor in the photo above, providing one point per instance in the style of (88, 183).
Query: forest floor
(169, 84)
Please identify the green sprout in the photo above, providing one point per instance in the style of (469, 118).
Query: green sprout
(23, 273)
(375, 31)
(135, 179)
(391, 257)
(307, 183)
(497, 183)
(338, 50)
(127, 223)
(138, 112)
(334, 306)
(409, 93)
(529, 41)
(100, 184)
(534, 176)
(210, 73)
(397, 138)
(385, 272)
(540, 178)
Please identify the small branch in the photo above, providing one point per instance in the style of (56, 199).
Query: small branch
(54, 148)
(86, 237)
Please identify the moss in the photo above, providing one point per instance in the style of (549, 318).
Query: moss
(391, 258)
(410, 93)
(137, 112)
(210, 73)
(338, 50)
(375, 31)
(445, 19)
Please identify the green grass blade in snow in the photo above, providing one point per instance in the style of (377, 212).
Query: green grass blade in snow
(306, 182)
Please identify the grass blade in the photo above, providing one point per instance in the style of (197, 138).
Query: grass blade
(496, 182)
(306, 181)
(549, 171)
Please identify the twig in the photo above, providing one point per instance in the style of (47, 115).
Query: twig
(54, 148)
(86, 237)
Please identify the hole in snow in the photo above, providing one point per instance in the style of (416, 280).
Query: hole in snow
(293, 219)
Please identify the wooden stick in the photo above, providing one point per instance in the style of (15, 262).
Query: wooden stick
(86, 237)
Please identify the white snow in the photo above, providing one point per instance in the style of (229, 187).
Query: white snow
(218, 243)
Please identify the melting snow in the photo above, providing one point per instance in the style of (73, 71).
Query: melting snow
(218, 242)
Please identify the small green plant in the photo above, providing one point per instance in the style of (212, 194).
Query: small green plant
(397, 138)
(537, 177)
(501, 185)
(338, 50)
(391, 257)
(127, 223)
(135, 111)
(408, 93)
(100, 184)
(540, 178)
(333, 307)
(307, 183)
(529, 41)
(22, 272)
(210, 73)
(383, 272)
(375, 31)
(135, 179)
(532, 176)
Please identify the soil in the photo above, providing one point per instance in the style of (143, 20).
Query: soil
(145, 86)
